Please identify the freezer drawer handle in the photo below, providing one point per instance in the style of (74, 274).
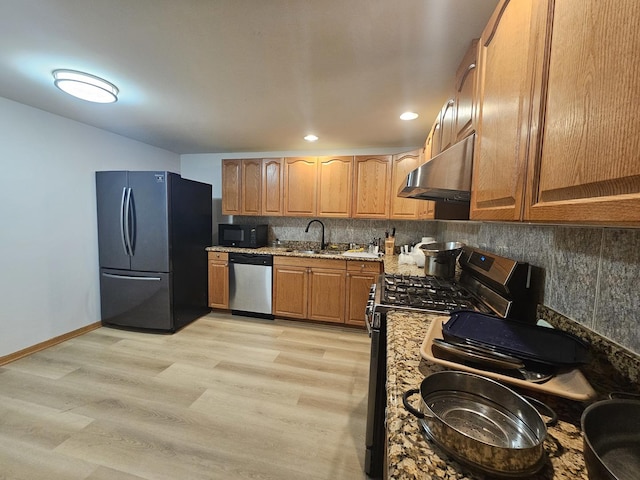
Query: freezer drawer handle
(129, 277)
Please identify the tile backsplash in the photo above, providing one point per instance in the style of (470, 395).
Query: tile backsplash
(587, 274)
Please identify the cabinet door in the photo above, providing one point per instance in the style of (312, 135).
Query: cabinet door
(231, 187)
(272, 187)
(360, 277)
(465, 92)
(251, 186)
(402, 164)
(326, 295)
(290, 291)
(448, 125)
(371, 192)
(427, 210)
(436, 137)
(335, 179)
(426, 150)
(300, 186)
(508, 47)
(218, 280)
(586, 167)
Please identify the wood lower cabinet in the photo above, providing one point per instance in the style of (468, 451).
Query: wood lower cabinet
(290, 287)
(360, 277)
(327, 293)
(309, 288)
(218, 280)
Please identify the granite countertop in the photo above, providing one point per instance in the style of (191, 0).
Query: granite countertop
(336, 254)
(411, 456)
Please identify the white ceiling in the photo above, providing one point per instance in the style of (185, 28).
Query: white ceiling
(200, 76)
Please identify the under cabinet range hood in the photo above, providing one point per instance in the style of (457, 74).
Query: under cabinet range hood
(446, 177)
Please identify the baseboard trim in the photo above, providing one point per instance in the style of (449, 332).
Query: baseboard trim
(48, 343)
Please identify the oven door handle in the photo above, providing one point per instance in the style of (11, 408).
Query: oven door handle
(368, 324)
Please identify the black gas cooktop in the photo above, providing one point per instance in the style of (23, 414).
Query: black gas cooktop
(428, 293)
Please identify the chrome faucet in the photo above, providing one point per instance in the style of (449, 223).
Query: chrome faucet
(306, 230)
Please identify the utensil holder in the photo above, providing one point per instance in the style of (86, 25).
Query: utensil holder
(389, 246)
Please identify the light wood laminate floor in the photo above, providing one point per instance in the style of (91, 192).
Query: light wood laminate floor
(224, 398)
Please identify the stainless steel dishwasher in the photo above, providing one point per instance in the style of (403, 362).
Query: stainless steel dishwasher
(250, 284)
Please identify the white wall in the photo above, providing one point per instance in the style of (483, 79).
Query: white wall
(49, 283)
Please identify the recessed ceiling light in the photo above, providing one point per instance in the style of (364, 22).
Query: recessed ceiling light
(408, 116)
(85, 86)
(311, 138)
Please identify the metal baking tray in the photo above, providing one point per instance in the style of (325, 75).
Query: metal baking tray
(567, 383)
(522, 340)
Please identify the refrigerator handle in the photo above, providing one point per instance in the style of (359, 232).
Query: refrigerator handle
(127, 222)
(123, 219)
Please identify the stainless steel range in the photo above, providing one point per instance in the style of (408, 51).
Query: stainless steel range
(487, 283)
(425, 293)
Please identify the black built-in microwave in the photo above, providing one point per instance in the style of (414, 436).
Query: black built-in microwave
(246, 236)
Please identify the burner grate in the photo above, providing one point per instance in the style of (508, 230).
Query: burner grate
(429, 293)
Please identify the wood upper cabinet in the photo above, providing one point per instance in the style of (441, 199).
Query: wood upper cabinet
(426, 150)
(360, 277)
(272, 187)
(465, 92)
(585, 165)
(218, 279)
(402, 164)
(448, 124)
(241, 187)
(372, 177)
(335, 181)
(436, 137)
(231, 187)
(508, 49)
(300, 186)
(251, 187)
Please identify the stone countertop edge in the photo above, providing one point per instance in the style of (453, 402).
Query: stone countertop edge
(391, 264)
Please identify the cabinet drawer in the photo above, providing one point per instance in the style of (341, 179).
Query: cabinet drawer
(354, 266)
(219, 256)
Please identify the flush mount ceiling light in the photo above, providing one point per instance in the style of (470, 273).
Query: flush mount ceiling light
(311, 138)
(85, 86)
(408, 116)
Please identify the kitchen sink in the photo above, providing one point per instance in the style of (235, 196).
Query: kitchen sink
(360, 255)
(317, 252)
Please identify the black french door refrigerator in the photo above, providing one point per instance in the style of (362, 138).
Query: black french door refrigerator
(153, 228)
